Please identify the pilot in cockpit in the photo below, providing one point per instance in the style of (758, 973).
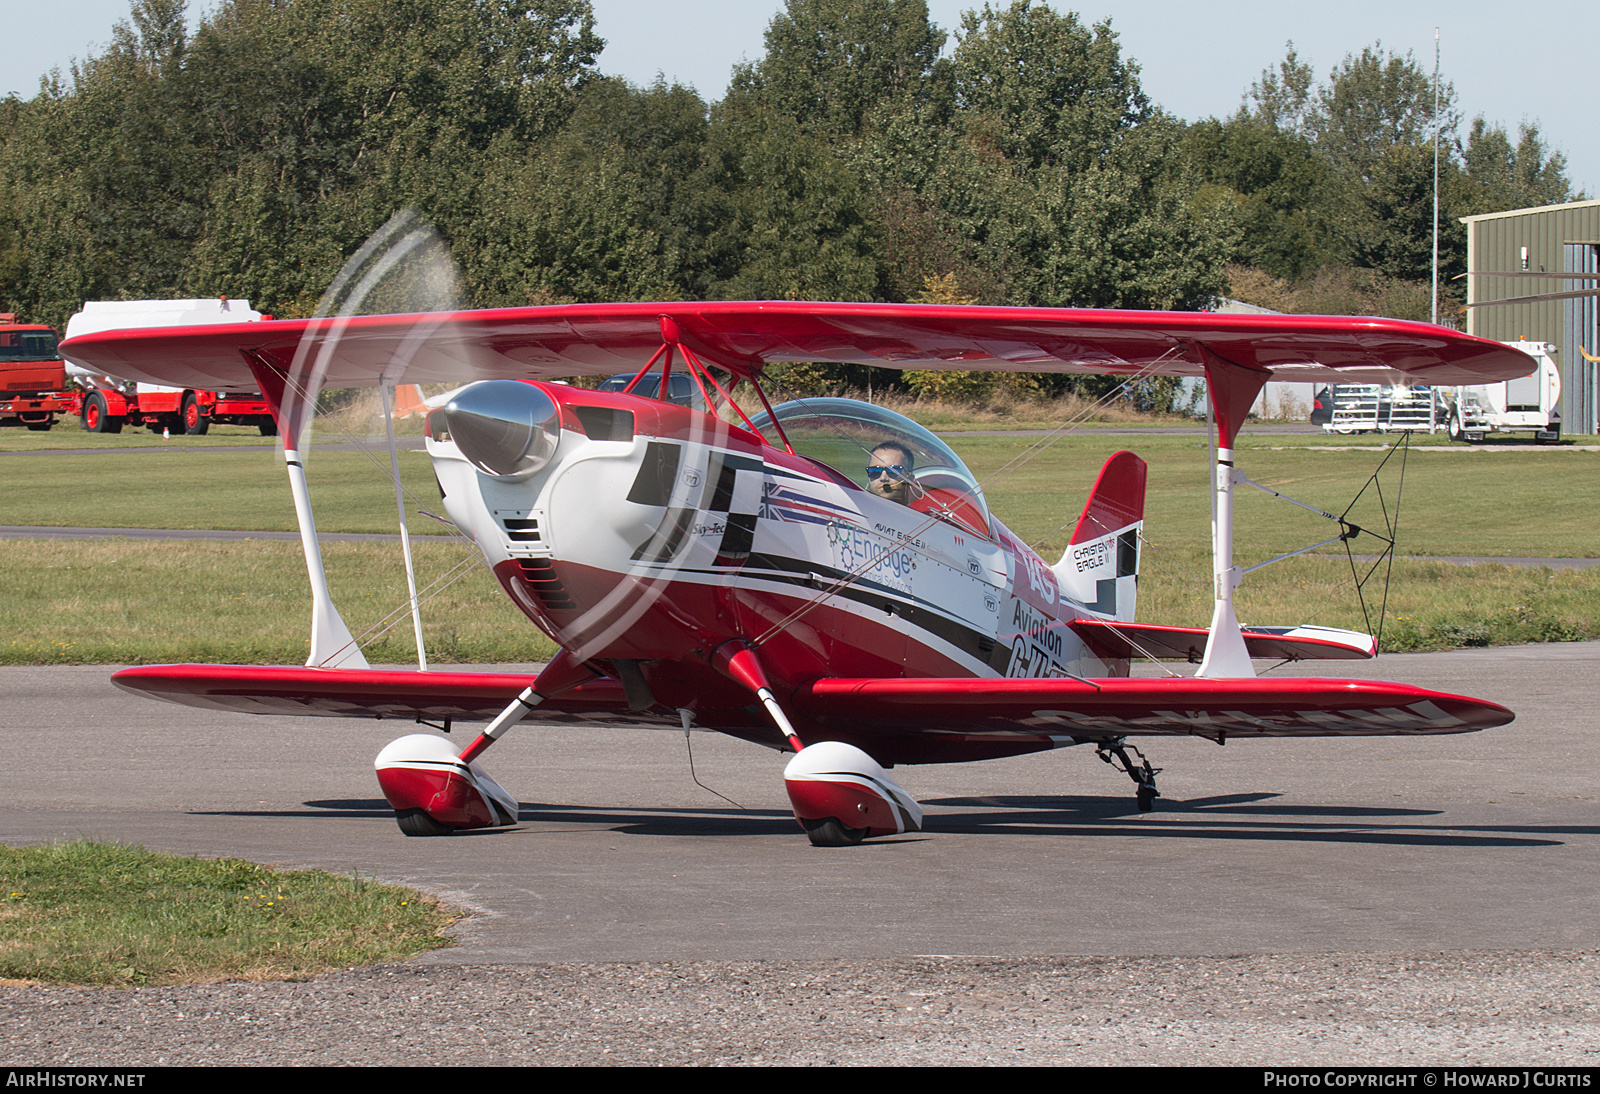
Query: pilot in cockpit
(889, 472)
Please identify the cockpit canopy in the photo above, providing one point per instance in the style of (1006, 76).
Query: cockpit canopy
(844, 433)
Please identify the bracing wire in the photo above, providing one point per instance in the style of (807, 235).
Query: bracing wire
(687, 717)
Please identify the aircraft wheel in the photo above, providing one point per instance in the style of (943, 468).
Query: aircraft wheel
(1147, 798)
(416, 822)
(833, 833)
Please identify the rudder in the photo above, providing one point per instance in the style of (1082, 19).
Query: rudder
(1100, 568)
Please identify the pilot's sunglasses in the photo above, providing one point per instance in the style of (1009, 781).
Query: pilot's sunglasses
(897, 471)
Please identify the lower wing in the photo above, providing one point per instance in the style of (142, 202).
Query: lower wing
(1101, 709)
(366, 693)
(1030, 713)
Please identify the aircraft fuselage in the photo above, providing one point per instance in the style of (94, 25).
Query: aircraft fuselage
(656, 533)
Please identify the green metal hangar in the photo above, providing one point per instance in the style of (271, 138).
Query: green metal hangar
(1516, 291)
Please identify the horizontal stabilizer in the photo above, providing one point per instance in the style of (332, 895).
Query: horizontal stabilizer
(364, 693)
(1110, 640)
(1102, 709)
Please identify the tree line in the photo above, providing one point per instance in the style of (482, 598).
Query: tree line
(857, 159)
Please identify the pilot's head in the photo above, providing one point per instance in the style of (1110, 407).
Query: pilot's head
(889, 472)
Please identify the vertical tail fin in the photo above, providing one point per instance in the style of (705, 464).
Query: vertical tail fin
(1100, 569)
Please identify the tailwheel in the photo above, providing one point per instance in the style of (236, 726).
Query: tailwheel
(1143, 775)
(832, 832)
(416, 822)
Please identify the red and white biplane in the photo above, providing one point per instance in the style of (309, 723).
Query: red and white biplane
(824, 577)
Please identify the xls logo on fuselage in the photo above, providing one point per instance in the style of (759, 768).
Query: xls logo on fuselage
(1041, 579)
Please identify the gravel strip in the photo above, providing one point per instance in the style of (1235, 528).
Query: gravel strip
(1424, 1009)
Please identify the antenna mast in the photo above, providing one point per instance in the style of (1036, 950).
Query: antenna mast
(1436, 127)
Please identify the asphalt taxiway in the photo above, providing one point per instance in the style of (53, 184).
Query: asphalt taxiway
(1423, 902)
(1480, 841)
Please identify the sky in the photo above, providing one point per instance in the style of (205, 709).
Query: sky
(1197, 60)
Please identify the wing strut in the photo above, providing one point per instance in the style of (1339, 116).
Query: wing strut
(332, 645)
(561, 674)
(386, 389)
(1232, 389)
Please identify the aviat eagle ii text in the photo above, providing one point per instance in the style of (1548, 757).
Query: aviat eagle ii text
(823, 577)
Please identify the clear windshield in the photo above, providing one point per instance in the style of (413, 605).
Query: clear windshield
(884, 453)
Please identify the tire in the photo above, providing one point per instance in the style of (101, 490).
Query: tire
(196, 423)
(1456, 432)
(268, 428)
(415, 822)
(97, 417)
(833, 833)
(1146, 798)
(40, 427)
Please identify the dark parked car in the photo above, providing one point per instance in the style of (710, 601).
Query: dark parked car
(1322, 406)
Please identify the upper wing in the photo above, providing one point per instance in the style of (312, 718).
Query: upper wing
(1098, 709)
(598, 339)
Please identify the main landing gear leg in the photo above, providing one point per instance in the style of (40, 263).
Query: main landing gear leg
(1143, 775)
(434, 791)
(840, 794)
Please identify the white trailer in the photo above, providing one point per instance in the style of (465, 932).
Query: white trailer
(1530, 403)
(1382, 408)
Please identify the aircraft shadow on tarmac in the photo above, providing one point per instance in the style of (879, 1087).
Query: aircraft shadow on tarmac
(1234, 817)
(1230, 817)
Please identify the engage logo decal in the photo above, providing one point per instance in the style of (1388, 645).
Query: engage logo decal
(857, 551)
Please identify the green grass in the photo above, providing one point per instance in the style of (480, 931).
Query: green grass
(1430, 605)
(184, 488)
(1463, 501)
(129, 602)
(110, 915)
(68, 434)
(139, 602)
(1458, 502)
